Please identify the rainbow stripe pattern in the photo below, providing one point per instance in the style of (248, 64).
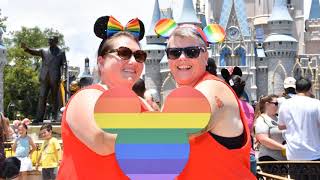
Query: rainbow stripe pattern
(165, 27)
(113, 26)
(152, 145)
(133, 27)
(214, 33)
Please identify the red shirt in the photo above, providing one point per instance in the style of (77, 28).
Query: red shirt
(80, 162)
(210, 160)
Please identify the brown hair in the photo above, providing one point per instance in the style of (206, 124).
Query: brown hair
(4, 124)
(107, 44)
(48, 127)
(260, 107)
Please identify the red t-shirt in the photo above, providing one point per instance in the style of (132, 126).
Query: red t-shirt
(210, 160)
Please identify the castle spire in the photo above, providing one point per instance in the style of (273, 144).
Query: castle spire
(155, 18)
(280, 11)
(188, 14)
(314, 10)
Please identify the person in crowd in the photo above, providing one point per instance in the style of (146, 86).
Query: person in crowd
(120, 64)
(15, 126)
(289, 85)
(10, 168)
(4, 135)
(300, 116)
(152, 98)
(150, 95)
(50, 153)
(139, 88)
(221, 150)
(237, 84)
(23, 147)
(211, 67)
(266, 130)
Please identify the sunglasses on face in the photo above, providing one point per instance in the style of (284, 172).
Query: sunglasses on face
(126, 53)
(275, 103)
(190, 52)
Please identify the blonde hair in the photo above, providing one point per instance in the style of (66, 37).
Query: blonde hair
(188, 32)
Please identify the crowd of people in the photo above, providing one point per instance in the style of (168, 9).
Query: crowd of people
(281, 128)
(23, 147)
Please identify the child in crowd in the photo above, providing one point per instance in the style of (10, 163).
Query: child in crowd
(22, 150)
(50, 153)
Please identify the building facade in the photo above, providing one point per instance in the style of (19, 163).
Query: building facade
(268, 39)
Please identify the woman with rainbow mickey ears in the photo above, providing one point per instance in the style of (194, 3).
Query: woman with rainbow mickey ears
(88, 150)
(221, 150)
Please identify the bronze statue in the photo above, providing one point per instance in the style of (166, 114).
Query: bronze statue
(53, 61)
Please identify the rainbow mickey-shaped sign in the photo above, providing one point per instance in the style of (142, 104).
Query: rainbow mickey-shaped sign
(152, 145)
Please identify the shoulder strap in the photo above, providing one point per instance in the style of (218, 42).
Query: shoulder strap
(269, 127)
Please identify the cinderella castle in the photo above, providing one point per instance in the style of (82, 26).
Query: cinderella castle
(268, 39)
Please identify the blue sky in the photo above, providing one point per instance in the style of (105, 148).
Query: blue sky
(75, 19)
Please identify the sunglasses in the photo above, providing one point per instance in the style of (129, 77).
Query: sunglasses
(125, 54)
(275, 103)
(190, 52)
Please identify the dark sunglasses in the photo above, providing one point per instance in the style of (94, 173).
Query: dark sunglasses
(275, 103)
(190, 52)
(126, 53)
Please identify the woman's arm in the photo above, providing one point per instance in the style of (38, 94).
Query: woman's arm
(80, 118)
(269, 143)
(225, 119)
(14, 146)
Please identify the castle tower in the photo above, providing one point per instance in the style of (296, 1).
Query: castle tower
(280, 47)
(296, 10)
(213, 11)
(155, 48)
(86, 78)
(201, 14)
(312, 34)
(3, 61)
(238, 47)
(188, 14)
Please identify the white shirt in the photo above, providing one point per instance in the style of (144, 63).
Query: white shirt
(266, 125)
(301, 116)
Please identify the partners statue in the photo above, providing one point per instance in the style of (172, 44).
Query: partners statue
(53, 61)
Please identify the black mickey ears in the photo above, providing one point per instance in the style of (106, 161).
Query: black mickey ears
(226, 74)
(100, 26)
(107, 26)
(237, 71)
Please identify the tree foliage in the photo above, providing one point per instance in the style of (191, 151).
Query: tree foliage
(2, 21)
(21, 83)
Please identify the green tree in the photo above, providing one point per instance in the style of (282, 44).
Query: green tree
(2, 21)
(21, 83)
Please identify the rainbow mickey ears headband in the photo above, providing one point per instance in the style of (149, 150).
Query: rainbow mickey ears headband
(213, 33)
(107, 26)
